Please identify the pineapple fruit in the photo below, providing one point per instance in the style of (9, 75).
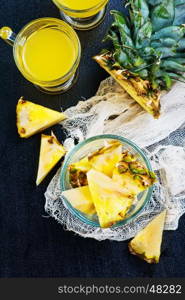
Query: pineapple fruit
(103, 160)
(147, 243)
(114, 179)
(137, 88)
(51, 151)
(106, 158)
(77, 172)
(147, 52)
(82, 165)
(110, 200)
(80, 198)
(133, 175)
(33, 118)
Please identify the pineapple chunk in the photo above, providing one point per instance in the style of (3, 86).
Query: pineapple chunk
(132, 174)
(80, 198)
(134, 186)
(51, 151)
(82, 165)
(77, 172)
(131, 183)
(33, 118)
(110, 200)
(105, 159)
(147, 243)
(137, 88)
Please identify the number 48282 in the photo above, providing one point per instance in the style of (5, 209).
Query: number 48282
(166, 289)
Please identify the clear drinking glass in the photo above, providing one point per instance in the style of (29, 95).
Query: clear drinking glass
(82, 14)
(47, 52)
(89, 146)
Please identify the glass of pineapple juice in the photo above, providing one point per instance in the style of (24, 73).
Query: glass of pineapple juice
(82, 14)
(47, 52)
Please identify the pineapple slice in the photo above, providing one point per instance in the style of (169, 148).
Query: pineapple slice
(127, 181)
(77, 172)
(147, 243)
(136, 87)
(110, 200)
(33, 118)
(133, 175)
(80, 198)
(82, 165)
(51, 151)
(105, 159)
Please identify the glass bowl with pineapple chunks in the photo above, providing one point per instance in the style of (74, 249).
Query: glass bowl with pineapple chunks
(106, 181)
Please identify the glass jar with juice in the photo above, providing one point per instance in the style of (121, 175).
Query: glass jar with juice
(82, 14)
(47, 52)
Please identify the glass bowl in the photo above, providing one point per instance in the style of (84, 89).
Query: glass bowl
(89, 146)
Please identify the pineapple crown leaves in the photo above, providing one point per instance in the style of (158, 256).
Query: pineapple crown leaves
(150, 42)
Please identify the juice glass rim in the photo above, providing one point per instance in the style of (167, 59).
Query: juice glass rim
(54, 82)
(67, 160)
(79, 10)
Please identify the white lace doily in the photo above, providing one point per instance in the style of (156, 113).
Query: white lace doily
(112, 110)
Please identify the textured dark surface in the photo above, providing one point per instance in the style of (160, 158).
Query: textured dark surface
(34, 246)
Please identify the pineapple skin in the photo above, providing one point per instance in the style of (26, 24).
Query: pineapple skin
(33, 118)
(134, 87)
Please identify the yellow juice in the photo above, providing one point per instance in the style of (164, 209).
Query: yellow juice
(48, 54)
(90, 7)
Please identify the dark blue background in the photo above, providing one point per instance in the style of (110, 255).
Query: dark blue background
(34, 246)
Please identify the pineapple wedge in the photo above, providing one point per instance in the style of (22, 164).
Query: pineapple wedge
(51, 151)
(133, 175)
(80, 198)
(33, 118)
(105, 159)
(136, 87)
(130, 183)
(81, 165)
(110, 200)
(77, 172)
(147, 243)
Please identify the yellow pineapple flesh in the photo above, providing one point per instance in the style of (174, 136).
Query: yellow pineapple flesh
(82, 165)
(147, 243)
(128, 182)
(110, 200)
(132, 174)
(51, 151)
(77, 172)
(33, 118)
(105, 159)
(80, 198)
